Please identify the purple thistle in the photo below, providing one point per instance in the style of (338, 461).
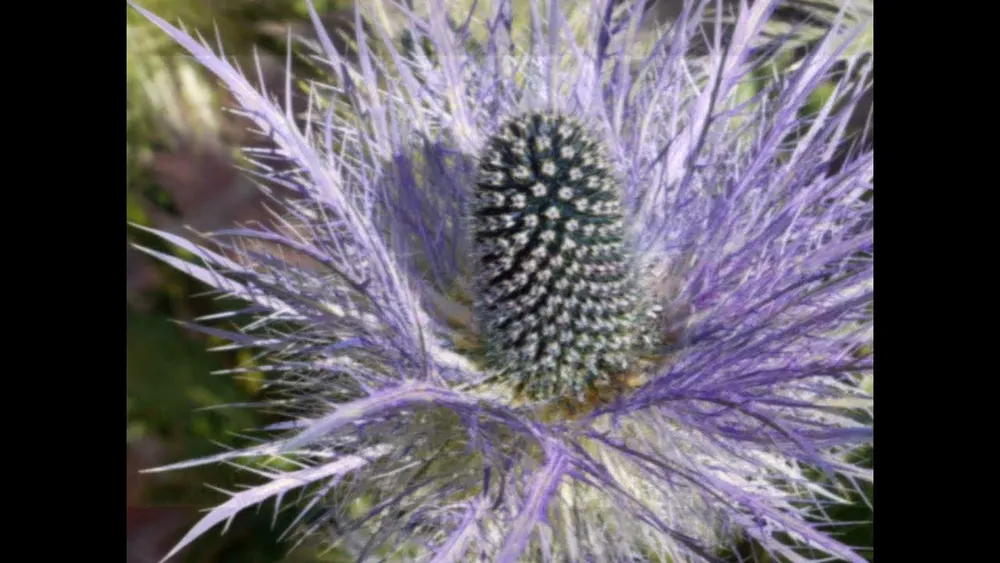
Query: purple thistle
(751, 252)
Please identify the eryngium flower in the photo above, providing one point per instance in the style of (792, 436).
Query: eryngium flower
(723, 297)
(553, 270)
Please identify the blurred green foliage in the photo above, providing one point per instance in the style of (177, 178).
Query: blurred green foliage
(172, 102)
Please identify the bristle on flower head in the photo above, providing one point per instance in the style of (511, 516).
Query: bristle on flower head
(555, 298)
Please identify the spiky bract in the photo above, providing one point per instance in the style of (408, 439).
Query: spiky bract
(555, 293)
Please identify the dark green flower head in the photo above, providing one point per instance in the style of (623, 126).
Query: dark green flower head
(555, 293)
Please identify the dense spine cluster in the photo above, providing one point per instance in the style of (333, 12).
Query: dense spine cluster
(555, 293)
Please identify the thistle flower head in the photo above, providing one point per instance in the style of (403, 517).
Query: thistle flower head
(561, 292)
(553, 269)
